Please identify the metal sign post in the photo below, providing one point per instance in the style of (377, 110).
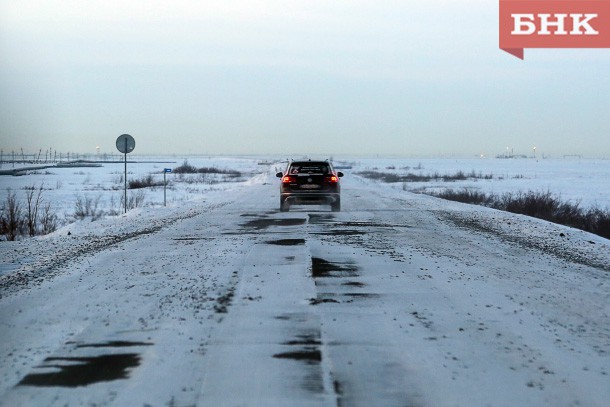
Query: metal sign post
(165, 171)
(125, 144)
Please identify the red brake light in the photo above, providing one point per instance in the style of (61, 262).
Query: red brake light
(287, 179)
(333, 179)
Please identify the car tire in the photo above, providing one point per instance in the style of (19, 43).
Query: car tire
(336, 206)
(284, 206)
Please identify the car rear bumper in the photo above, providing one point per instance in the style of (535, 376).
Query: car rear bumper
(310, 198)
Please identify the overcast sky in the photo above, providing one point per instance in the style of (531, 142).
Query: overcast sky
(290, 77)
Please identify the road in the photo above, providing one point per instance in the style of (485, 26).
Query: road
(398, 300)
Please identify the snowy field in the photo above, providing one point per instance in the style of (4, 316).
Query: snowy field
(575, 180)
(104, 185)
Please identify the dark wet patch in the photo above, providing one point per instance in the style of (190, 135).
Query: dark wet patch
(263, 223)
(340, 232)
(188, 239)
(337, 387)
(323, 268)
(297, 317)
(362, 295)
(306, 349)
(354, 284)
(82, 371)
(316, 301)
(313, 383)
(250, 215)
(286, 242)
(359, 296)
(305, 340)
(306, 355)
(112, 344)
(370, 225)
(317, 219)
(289, 258)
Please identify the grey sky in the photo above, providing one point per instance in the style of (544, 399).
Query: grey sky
(291, 77)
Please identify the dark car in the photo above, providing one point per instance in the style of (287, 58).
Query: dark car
(310, 183)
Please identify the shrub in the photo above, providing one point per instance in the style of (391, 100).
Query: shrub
(48, 220)
(146, 182)
(33, 200)
(11, 217)
(186, 168)
(134, 200)
(465, 195)
(411, 177)
(541, 205)
(85, 207)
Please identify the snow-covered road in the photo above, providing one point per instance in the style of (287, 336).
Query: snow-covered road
(400, 299)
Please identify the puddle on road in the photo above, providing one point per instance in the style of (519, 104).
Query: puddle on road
(263, 223)
(86, 370)
(286, 242)
(309, 356)
(322, 268)
(82, 371)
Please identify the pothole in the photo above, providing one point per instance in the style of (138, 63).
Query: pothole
(321, 268)
(263, 223)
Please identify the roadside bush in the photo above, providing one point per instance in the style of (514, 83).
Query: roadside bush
(33, 199)
(134, 200)
(146, 182)
(186, 168)
(465, 195)
(85, 207)
(541, 205)
(598, 221)
(35, 218)
(411, 177)
(48, 220)
(11, 217)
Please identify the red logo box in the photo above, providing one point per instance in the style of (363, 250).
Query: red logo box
(553, 24)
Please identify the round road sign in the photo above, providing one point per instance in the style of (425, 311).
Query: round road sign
(125, 143)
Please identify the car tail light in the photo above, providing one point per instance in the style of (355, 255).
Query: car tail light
(333, 179)
(287, 180)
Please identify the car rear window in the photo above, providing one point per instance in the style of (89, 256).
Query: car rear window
(309, 168)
